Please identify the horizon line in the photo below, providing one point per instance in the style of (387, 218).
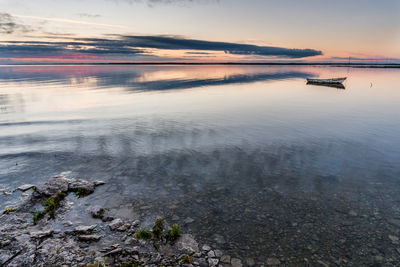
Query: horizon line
(339, 64)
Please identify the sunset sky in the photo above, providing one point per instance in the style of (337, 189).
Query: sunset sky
(50, 31)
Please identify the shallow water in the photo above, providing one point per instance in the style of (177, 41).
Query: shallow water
(249, 159)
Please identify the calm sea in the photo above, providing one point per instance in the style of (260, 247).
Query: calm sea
(248, 159)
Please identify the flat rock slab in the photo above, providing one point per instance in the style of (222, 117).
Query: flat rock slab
(84, 229)
(41, 234)
(25, 187)
(89, 238)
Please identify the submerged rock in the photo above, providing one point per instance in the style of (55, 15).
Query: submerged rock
(116, 223)
(96, 211)
(273, 261)
(236, 262)
(226, 259)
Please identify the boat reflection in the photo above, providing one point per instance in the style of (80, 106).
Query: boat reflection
(334, 85)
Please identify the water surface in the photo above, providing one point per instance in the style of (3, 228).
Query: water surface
(249, 159)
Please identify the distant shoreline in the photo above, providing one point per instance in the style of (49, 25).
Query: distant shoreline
(353, 65)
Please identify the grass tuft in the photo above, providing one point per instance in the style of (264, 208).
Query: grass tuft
(158, 229)
(143, 234)
(174, 234)
(9, 210)
(51, 204)
(187, 259)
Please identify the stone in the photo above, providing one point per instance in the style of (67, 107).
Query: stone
(41, 234)
(206, 248)
(236, 262)
(96, 211)
(322, 263)
(202, 262)
(107, 218)
(273, 261)
(25, 187)
(211, 254)
(81, 185)
(187, 243)
(52, 186)
(116, 223)
(226, 259)
(115, 251)
(353, 213)
(394, 239)
(89, 238)
(219, 239)
(123, 228)
(218, 253)
(84, 229)
(97, 183)
(188, 220)
(213, 262)
(250, 262)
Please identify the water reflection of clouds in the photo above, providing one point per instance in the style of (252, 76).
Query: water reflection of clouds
(146, 78)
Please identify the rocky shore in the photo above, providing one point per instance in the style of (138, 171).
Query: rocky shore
(38, 232)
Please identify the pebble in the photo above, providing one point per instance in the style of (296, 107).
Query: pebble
(219, 239)
(226, 259)
(211, 254)
(218, 253)
(205, 248)
(115, 251)
(394, 239)
(236, 262)
(188, 220)
(213, 262)
(250, 262)
(273, 261)
(124, 227)
(353, 213)
(67, 223)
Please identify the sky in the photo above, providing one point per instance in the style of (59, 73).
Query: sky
(51, 31)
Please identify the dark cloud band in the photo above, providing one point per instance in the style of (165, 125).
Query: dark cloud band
(128, 45)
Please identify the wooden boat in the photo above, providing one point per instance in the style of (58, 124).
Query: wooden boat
(327, 81)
